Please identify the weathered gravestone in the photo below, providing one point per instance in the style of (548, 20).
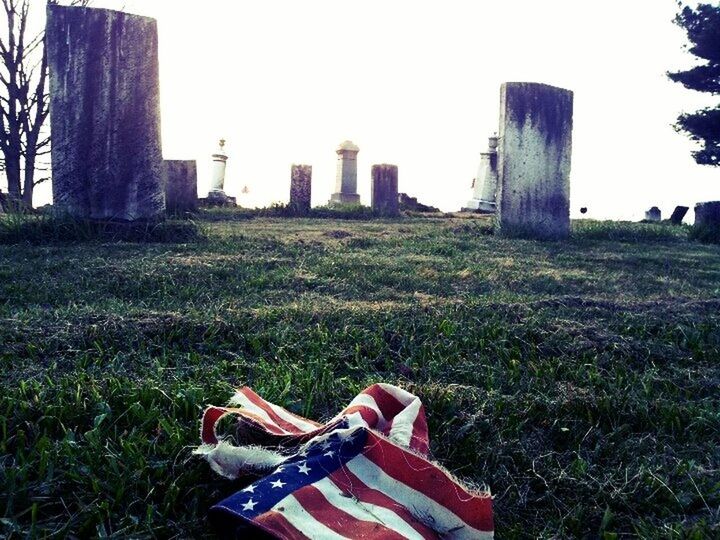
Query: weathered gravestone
(301, 189)
(180, 179)
(534, 158)
(678, 215)
(346, 178)
(654, 214)
(384, 188)
(105, 114)
(707, 214)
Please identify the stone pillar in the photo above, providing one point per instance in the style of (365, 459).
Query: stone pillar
(384, 188)
(300, 189)
(346, 179)
(217, 185)
(485, 184)
(534, 157)
(654, 214)
(105, 114)
(180, 178)
(678, 215)
(707, 214)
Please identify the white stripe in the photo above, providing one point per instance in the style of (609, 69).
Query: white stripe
(365, 511)
(402, 426)
(306, 427)
(241, 399)
(366, 400)
(291, 509)
(444, 520)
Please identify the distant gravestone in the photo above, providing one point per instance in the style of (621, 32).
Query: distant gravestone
(301, 189)
(180, 178)
(384, 187)
(707, 214)
(105, 114)
(654, 214)
(534, 158)
(678, 215)
(346, 177)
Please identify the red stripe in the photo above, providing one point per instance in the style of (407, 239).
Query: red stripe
(210, 418)
(388, 404)
(350, 483)
(369, 415)
(422, 476)
(275, 524)
(315, 503)
(261, 403)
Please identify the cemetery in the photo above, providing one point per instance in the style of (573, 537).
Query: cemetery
(567, 369)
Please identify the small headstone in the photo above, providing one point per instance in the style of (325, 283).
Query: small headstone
(678, 215)
(300, 189)
(654, 214)
(105, 121)
(385, 201)
(180, 186)
(534, 158)
(707, 214)
(346, 177)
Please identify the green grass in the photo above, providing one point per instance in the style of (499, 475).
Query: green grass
(578, 379)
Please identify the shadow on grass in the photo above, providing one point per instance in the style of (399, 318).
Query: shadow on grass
(53, 229)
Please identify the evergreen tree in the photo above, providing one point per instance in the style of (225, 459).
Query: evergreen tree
(702, 25)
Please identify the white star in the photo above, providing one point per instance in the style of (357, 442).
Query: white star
(249, 506)
(249, 489)
(279, 470)
(304, 468)
(326, 445)
(330, 453)
(278, 484)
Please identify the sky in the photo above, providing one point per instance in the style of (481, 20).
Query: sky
(416, 83)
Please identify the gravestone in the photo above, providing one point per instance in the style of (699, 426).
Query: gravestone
(485, 184)
(678, 215)
(180, 177)
(346, 177)
(384, 188)
(105, 114)
(654, 214)
(707, 214)
(534, 158)
(301, 189)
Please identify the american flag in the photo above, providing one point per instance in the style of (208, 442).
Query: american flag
(364, 474)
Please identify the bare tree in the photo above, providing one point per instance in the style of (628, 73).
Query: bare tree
(24, 102)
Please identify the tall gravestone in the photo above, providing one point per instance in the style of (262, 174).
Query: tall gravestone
(385, 200)
(346, 177)
(300, 189)
(105, 113)
(180, 179)
(534, 158)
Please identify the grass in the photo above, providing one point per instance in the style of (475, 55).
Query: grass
(578, 379)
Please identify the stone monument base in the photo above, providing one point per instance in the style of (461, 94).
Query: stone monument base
(480, 207)
(218, 199)
(344, 198)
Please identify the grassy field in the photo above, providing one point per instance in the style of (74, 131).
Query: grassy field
(579, 380)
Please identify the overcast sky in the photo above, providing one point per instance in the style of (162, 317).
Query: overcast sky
(416, 83)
